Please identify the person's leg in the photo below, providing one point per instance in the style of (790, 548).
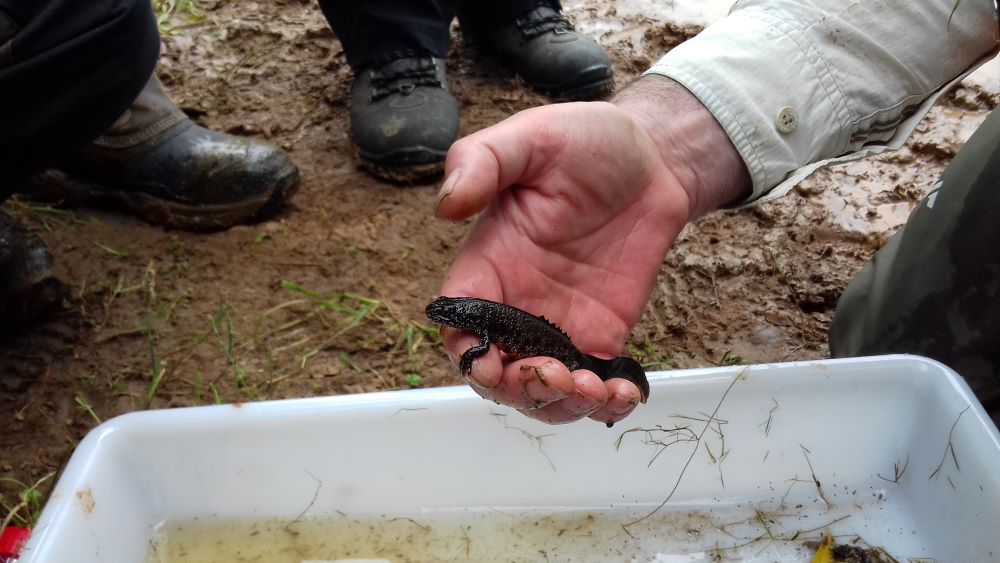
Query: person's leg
(371, 31)
(156, 163)
(481, 17)
(934, 288)
(71, 70)
(73, 73)
(540, 45)
(68, 69)
(403, 118)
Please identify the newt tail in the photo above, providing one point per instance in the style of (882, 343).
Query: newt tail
(520, 334)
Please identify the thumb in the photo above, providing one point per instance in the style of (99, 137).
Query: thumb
(481, 165)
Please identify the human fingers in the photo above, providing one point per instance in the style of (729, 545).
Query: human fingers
(588, 396)
(532, 383)
(623, 397)
(543, 388)
(479, 166)
(493, 159)
(486, 370)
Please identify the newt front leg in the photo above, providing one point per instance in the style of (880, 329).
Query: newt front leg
(465, 364)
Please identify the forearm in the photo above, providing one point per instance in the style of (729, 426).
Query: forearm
(797, 82)
(691, 143)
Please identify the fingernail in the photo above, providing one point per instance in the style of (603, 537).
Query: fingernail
(449, 184)
(581, 405)
(452, 357)
(473, 382)
(536, 389)
(472, 378)
(620, 405)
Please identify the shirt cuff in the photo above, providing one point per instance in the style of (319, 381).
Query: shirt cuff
(792, 99)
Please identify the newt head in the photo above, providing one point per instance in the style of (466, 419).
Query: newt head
(448, 311)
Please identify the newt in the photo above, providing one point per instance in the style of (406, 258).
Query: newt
(520, 335)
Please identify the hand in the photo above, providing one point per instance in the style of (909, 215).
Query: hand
(580, 208)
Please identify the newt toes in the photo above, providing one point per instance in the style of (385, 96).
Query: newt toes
(523, 335)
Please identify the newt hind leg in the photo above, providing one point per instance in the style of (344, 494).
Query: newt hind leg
(470, 355)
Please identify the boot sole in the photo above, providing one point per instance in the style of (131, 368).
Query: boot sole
(54, 185)
(589, 84)
(403, 173)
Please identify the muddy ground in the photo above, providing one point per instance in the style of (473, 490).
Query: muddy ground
(329, 297)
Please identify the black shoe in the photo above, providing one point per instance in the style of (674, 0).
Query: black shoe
(403, 118)
(157, 163)
(28, 290)
(545, 50)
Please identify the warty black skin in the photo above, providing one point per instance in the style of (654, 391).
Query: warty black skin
(520, 334)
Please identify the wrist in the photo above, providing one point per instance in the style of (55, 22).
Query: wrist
(691, 143)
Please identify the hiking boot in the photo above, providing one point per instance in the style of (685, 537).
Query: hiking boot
(544, 49)
(28, 290)
(156, 163)
(403, 118)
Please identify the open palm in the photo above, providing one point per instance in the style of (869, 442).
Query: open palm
(578, 211)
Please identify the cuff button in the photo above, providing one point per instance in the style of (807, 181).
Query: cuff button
(787, 119)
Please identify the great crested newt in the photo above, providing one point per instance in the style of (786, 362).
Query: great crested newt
(520, 334)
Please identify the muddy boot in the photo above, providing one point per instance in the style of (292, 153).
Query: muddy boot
(156, 163)
(28, 290)
(403, 118)
(543, 48)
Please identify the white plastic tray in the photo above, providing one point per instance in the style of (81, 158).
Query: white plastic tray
(905, 458)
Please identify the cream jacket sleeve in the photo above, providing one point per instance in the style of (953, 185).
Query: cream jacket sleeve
(801, 84)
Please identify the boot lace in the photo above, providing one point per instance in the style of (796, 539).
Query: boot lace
(542, 20)
(403, 76)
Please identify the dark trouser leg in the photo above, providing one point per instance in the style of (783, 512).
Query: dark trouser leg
(373, 30)
(481, 16)
(68, 70)
(934, 289)
(403, 118)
